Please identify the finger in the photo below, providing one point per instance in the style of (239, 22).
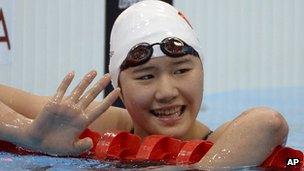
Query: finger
(90, 95)
(80, 88)
(63, 87)
(105, 104)
(83, 145)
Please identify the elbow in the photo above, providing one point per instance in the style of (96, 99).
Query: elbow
(272, 122)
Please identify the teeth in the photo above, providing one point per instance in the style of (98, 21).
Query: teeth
(167, 112)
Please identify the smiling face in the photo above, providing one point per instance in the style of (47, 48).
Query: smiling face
(163, 96)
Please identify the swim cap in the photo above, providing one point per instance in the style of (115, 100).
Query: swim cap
(148, 21)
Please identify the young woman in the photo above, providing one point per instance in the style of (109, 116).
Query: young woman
(156, 67)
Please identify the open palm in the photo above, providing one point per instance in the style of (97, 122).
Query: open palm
(56, 129)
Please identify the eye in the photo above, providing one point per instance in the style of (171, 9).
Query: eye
(181, 71)
(145, 77)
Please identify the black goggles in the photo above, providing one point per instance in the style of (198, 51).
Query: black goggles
(171, 46)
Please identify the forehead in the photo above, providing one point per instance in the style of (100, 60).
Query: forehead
(165, 61)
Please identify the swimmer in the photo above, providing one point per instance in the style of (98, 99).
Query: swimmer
(156, 68)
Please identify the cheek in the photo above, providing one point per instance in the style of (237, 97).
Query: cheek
(192, 89)
(137, 98)
(138, 102)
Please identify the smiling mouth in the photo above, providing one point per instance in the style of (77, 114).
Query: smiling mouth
(170, 112)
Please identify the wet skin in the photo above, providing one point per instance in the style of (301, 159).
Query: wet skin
(59, 120)
(56, 128)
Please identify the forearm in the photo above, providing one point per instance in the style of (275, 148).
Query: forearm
(12, 124)
(22, 102)
(248, 140)
(30, 105)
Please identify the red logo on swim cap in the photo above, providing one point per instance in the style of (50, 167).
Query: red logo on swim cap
(184, 17)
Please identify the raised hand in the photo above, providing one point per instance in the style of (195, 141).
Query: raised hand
(56, 129)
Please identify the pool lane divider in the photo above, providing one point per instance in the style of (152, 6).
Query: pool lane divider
(129, 147)
(125, 146)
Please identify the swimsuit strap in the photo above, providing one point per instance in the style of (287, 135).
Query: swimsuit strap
(209, 133)
(132, 130)
(205, 138)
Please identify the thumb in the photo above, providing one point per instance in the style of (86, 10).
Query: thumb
(83, 145)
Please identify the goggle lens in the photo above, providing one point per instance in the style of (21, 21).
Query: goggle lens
(141, 53)
(173, 47)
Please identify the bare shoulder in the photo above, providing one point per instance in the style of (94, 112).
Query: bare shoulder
(114, 118)
(218, 132)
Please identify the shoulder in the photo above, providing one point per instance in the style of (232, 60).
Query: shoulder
(114, 118)
(124, 119)
(201, 130)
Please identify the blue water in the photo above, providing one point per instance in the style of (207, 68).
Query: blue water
(10, 161)
(289, 101)
(217, 109)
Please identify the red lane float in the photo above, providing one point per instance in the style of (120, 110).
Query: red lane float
(174, 151)
(12, 148)
(9, 147)
(117, 146)
(285, 158)
(126, 146)
(193, 151)
(159, 147)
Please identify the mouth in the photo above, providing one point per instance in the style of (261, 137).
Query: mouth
(169, 112)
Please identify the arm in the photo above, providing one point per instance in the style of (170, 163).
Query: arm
(56, 128)
(218, 132)
(247, 141)
(18, 100)
(12, 125)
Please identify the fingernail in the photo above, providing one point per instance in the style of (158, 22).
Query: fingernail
(107, 75)
(71, 73)
(91, 74)
(94, 73)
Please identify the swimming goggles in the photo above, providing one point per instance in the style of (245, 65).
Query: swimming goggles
(142, 52)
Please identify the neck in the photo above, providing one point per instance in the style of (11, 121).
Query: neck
(195, 132)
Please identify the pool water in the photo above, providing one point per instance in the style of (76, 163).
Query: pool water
(218, 108)
(289, 101)
(9, 161)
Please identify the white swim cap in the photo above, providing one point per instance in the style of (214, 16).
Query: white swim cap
(148, 21)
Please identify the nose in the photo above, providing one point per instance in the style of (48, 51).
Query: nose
(166, 90)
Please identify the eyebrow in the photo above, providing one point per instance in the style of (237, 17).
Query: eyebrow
(183, 61)
(149, 68)
(142, 69)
